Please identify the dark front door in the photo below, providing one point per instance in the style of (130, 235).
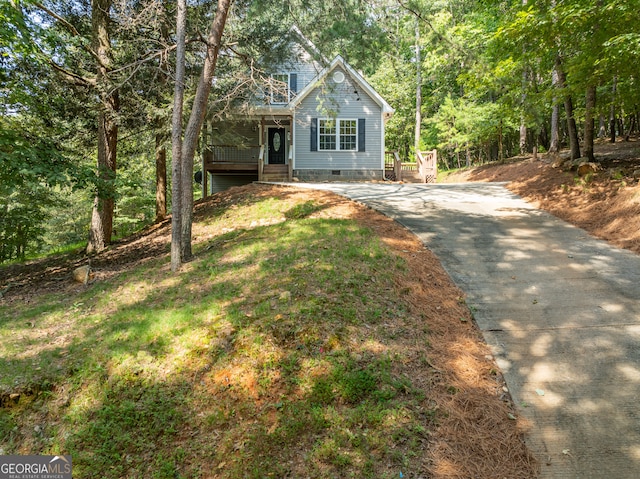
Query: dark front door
(277, 143)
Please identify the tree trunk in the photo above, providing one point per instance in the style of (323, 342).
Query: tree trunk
(500, 145)
(632, 125)
(523, 99)
(574, 143)
(192, 131)
(418, 91)
(568, 107)
(103, 205)
(176, 138)
(612, 112)
(554, 145)
(161, 131)
(602, 129)
(161, 177)
(589, 123)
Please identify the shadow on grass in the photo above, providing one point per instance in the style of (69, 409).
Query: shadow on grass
(264, 357)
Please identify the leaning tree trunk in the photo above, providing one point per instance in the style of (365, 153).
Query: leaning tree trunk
(589, 122)
(193, 128)
(104, 201)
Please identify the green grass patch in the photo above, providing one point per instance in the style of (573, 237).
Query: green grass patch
(276, 353)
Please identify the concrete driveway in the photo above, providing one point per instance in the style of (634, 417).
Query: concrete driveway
(559, 308)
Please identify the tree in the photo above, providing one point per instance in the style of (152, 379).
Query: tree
(102, 216)
(176, 138)
(184, 148)
(31, 165)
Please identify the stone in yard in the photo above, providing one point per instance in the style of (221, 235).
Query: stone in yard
(285, 296)
(81, 274)
(586, 168)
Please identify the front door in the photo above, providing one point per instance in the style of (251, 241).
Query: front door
(277, 144)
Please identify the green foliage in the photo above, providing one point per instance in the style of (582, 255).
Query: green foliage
(485, 66)
(30, 166)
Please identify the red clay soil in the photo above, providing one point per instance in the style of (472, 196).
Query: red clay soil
(606, 203)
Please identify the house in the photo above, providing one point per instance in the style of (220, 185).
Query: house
(314, 121)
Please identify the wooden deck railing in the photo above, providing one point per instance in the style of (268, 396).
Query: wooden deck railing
(234, 154)
(427, 165)
(392, 166)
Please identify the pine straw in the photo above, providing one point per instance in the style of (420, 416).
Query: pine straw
(607, 204)
(475, 436)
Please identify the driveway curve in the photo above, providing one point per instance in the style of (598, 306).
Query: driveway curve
(559, 309)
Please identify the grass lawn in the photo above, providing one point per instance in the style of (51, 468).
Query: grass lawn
(291, 346)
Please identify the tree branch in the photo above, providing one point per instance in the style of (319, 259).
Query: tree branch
(57, 17)
(440, 36)
(69, 27)
(71, 77)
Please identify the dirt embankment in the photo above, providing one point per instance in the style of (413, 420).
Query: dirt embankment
(605, 203)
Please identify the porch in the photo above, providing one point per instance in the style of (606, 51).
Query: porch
(257, 149)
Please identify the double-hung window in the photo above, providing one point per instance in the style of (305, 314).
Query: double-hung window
(327, 131)
(338, 134)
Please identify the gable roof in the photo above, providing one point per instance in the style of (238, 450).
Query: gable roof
(338, 61)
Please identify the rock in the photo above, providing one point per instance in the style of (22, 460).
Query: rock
(576, 163)
(81, 274)
(587, 168)
(557, 161)
(636, 174)
(285, 296)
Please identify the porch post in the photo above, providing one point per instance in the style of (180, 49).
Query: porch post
(290, 156)
(262, 147)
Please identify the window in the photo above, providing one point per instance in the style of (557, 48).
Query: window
(280, 88)
(348, 134)
(327, 132)
(338, 134)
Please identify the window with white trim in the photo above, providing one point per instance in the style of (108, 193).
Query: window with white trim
(338, 134)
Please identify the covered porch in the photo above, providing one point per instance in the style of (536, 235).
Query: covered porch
(257, 148)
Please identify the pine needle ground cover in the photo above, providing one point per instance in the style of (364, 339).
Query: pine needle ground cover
(309, 337)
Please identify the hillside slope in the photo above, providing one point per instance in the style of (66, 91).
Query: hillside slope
(309, 337)
(606, 204)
